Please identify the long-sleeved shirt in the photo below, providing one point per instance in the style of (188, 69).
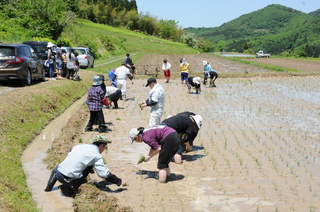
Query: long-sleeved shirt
(156, 97)
(155, 135)
(80, 157)
(110, 90)
(182, 123)
(208, 68)
(95, 95)
(122, 73)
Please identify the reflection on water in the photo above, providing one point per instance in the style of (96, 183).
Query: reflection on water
(36, 171)
(236, 55)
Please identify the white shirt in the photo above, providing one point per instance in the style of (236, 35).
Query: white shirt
(122, 72)
(80, 157)
(110, 90)
(157, 95)
(166, 66)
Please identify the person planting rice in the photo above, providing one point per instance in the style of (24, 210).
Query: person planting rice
(209, 73)
(163, 140)
(187, 124)
(80, 162)
(194, 82)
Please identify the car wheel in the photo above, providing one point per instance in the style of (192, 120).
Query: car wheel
(28, 80)
(43, 75)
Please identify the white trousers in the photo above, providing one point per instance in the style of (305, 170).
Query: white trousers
(122, 85)
(155, 116)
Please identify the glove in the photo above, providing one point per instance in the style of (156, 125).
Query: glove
(105, 102)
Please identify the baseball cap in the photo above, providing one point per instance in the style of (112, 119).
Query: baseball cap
(123, 63)
(204, 62)
(133, 134)
(151, 80)
(100, 139)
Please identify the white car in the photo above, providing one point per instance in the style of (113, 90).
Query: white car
(85, 57)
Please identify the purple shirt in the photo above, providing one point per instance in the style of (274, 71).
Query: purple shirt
(155, 135)
(95, 95)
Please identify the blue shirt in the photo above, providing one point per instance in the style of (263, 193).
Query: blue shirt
(208, 68)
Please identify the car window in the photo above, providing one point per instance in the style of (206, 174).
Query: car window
(7, 52)
(80, 51)
(38, 48)
(25, 51)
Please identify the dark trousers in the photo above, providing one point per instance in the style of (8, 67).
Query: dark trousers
(64, 69)
(70, 73)
(96, 115)
(73, 182)
(115, 97)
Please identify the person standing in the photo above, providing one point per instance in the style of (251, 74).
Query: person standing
(96, 100)
(80, 162)
(163, 140)
(187, 124)
(59, 61)
(114, 95)
(70, 64)
(64, 63)
(121, 74)
(209, 73)
(51, 60)
(155, 101)
(130, 65)
(184, 69)
(166, 70)
(103, 85)
(194, 82)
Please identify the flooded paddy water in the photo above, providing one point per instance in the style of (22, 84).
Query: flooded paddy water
(258, 149)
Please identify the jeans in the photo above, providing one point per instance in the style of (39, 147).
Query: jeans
(51, 69)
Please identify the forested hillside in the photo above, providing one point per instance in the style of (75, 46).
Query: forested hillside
(275, 29)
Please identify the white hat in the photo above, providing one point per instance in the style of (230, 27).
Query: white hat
(196, 80)
(133, 134)
(49, 45)
(204, 62)
(198, 120)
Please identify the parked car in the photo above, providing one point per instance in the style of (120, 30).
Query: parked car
(85, 57)
(20, 62)
(40, 48)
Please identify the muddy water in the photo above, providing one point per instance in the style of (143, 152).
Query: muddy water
(258, 149)
(37, 173)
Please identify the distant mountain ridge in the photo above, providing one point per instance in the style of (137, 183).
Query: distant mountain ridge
(272, 23)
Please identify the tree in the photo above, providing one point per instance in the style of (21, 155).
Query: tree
(222, 45)
(45, 18)
(167, 29)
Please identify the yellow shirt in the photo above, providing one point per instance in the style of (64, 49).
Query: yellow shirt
(184, 68)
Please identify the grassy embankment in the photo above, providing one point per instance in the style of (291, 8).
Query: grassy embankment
(25, 111)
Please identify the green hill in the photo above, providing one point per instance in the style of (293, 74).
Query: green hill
(275, 29)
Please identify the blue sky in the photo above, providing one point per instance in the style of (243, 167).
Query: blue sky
(213, 13)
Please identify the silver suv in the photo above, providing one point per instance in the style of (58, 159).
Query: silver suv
(85, 57)
(19, 62)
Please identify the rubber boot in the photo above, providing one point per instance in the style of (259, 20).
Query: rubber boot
(102, 129)
(52, 180)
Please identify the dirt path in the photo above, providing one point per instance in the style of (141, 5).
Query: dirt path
(258, 149)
